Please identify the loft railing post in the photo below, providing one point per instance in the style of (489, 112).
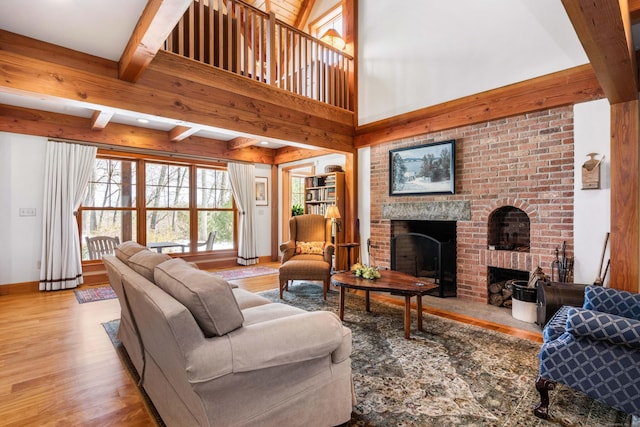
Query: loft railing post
(271, 49)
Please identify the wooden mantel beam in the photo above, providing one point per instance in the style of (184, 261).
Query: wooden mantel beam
(604, 29)
(157, 21)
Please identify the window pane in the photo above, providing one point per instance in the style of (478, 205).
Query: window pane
(167, 186)
(219, 221)
(112, 184)
(213, 189)
(112, 223)
(170, 228)
(297, 190)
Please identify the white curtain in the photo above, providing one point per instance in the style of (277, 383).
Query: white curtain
(68, 168)
(242, 177)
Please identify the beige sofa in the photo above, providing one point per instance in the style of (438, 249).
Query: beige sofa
(209, 354)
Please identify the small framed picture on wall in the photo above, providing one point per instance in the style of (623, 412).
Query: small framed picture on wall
(262, 193)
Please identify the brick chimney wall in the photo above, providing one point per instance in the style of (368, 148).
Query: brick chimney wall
(524, 161)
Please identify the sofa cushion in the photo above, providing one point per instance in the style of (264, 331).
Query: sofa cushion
(144, 262)
(208, 297)
(126, 250)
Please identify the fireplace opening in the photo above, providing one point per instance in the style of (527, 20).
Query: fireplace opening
(427, 250)
(509, 230)
(498, 289)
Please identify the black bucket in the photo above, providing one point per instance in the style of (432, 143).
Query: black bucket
(523, 293)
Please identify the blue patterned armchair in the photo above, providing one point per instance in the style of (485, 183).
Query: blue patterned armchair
(594, 349)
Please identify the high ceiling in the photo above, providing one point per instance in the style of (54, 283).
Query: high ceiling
(103, 29)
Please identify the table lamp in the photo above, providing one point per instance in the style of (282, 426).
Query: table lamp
(333, 213)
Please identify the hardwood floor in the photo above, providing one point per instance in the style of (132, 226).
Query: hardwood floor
(58, 366)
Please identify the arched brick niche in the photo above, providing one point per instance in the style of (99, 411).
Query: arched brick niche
(509, 229)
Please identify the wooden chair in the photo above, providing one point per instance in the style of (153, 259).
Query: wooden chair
(208, 244)
(101, 245)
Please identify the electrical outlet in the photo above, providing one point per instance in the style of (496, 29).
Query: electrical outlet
(27, 212)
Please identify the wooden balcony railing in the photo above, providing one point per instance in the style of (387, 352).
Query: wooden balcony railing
(237, 37)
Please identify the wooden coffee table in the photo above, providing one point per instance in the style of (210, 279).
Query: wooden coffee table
(394, 282)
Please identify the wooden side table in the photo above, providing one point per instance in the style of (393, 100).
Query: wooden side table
(349, 246)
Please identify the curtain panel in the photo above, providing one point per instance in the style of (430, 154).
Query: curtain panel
(242, 177)
(68, 168)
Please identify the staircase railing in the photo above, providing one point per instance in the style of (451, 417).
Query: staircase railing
(240, 38)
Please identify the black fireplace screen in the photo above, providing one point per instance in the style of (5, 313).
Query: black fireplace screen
(426, 258)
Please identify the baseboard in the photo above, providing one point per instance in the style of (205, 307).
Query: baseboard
(19, 288)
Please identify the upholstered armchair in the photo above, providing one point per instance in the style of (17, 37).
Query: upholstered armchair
(594, 349)
(308, 253)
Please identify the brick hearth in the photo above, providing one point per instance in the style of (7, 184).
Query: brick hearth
(524, 161)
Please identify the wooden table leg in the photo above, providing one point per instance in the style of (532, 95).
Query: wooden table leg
(366, 301)
(407, 315)
(341, 310)
(419, 308)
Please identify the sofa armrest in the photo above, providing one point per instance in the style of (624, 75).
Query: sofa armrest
(603, 327)
(613, 301)
(285, 340)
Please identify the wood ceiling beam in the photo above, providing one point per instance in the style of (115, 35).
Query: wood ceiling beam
(241, 142)
(181, 89)
(292, 154)
(100, 119)
(566, 87)
(604, 29)
(156, 22)
(303, 15)
(179, 133)
(53, 125)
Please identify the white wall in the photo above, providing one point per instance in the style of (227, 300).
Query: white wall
(21, 186)
(263, 214)
(415, 56)
(592, 208)
(364, 200)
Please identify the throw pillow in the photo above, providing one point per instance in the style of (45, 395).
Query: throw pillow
(126, 250)
(144, 262)
(208, 297)
(314, 248)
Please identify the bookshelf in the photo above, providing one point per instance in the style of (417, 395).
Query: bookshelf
(322, 191)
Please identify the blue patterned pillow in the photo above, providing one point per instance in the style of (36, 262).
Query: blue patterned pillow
(603, 327)
(613, 301)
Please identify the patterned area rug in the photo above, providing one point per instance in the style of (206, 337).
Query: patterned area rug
(241, 273)
(450, 374)
(94, 294)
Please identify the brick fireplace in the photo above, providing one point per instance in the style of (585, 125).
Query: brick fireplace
(517, 172)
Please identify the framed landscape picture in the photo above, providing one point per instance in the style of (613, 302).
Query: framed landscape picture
(262, 195)
(425, 169)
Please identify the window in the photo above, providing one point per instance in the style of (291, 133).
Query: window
(174, 205)
(215, 209)
(297, 190)
(109, 207)
(330, 20)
